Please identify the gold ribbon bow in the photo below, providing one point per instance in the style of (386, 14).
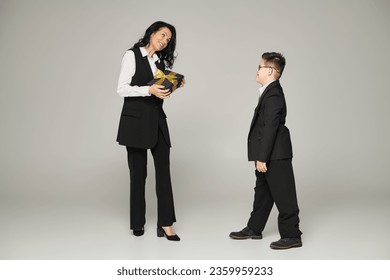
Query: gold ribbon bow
(161, 76)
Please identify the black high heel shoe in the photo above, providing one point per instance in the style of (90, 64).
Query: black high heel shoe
(161, 233)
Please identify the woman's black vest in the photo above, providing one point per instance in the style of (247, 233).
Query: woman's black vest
(142, 116)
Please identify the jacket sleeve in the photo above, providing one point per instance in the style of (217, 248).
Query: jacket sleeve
(273, 104)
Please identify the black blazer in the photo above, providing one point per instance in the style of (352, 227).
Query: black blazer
(141, 117)
(269, 139)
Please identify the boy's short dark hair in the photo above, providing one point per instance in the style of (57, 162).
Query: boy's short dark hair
(276, 59)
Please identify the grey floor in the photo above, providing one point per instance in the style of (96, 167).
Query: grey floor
(92, 221)
(64, 182)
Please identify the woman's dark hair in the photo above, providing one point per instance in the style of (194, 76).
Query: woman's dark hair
(167, 54)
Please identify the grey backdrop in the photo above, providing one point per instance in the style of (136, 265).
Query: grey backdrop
(64, 180)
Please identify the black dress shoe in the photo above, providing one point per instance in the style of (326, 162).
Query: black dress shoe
(246, 233)
(138, 232)
(287, 243)
(161, 233)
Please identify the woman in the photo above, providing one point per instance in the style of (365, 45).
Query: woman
(143, 125)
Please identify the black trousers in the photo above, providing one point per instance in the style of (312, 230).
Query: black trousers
(277, 186)
(137, 160)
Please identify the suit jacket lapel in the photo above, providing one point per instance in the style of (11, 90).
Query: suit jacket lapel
(271, 85)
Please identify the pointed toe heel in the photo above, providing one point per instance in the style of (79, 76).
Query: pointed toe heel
(161, 233)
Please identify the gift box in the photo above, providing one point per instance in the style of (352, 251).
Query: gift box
(169, 79)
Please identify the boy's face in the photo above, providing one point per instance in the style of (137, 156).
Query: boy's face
(264, 73)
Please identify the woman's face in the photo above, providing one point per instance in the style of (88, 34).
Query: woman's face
(160, 39)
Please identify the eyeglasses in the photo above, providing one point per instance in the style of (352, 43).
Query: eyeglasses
(260, 66)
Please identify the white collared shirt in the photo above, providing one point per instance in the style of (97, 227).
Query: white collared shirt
(262, 89)
(127, 72)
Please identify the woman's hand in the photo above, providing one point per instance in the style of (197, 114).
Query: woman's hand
(183, 82)
(159, 91)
